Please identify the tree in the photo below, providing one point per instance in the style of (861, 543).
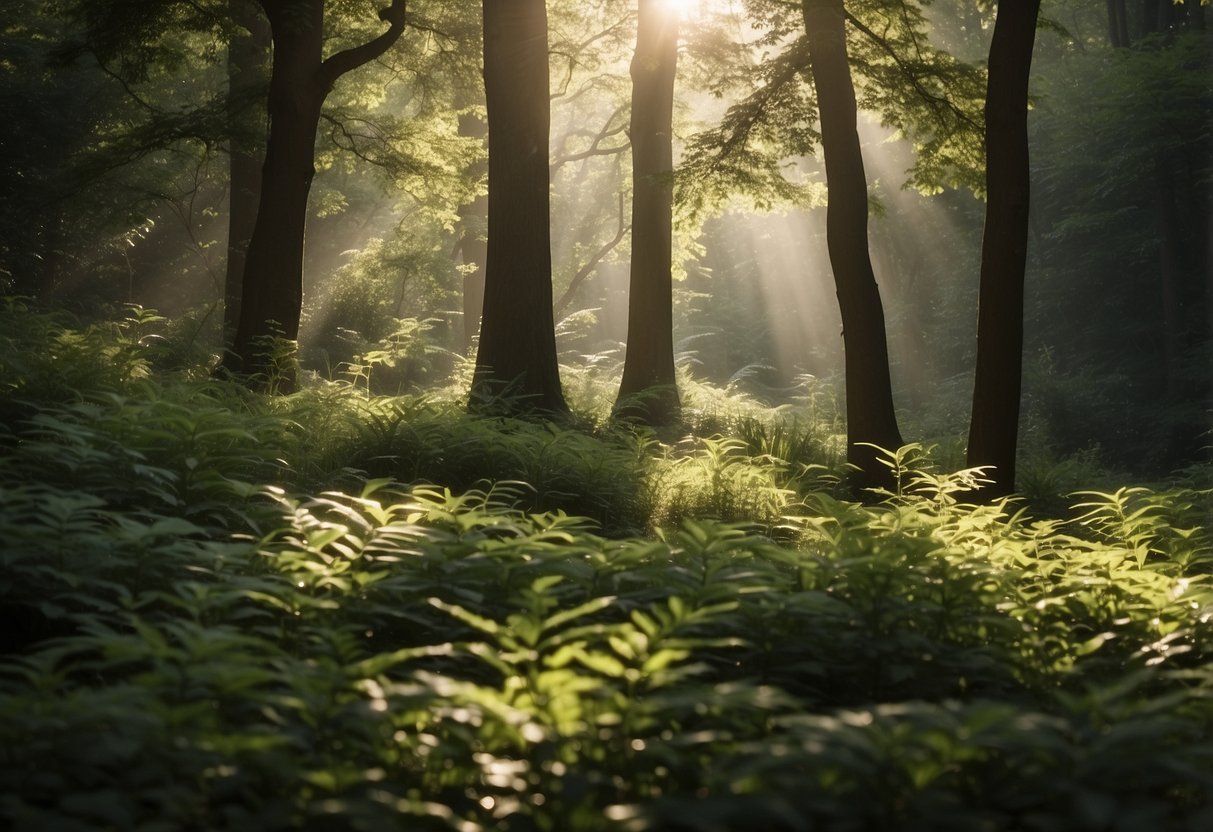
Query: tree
(874, 55)
(472, 245)
(993, 431)
(648, 392)
(104, 144)
(1128, 375)
(516, 363)
(591, 184)
(59, 113)
(248, 59)
(1118, 23)
(871, 420)
(300, 80)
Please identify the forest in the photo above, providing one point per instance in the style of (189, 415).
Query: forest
(637, 415)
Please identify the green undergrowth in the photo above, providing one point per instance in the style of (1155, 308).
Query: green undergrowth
(328, 611)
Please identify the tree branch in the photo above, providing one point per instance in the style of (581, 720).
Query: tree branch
(134, 96)
(595, 148)
(937, 103)
(349, 59)
(571, 55)
(591, 264)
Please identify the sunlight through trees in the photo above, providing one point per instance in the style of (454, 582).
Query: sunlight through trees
(621, 415)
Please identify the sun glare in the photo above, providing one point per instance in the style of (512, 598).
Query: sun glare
(685, 9)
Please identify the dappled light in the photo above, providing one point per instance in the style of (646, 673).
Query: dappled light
(462, 431)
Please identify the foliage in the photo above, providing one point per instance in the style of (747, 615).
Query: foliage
(369, 301)
(915, 87)
(340, 609)
(1120, 139)
(200, 633)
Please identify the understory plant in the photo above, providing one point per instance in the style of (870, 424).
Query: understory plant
(328, 610)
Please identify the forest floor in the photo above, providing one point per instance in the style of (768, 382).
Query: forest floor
(328, 610)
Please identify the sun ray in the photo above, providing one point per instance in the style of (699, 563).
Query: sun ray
(686, 9)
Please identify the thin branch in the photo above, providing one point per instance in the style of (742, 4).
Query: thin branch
(134, 96)
(937, 102)
(592, 264)
(596, 148)
(571, 57)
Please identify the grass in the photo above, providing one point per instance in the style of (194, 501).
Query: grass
(334, 611)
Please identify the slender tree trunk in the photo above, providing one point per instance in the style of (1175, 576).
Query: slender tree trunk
(993, 432)
(870, 416)
(516, 366)
(649, 392)
(1118, 23)
(473, 239)
(247, 67)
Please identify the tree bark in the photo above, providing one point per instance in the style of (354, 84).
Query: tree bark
(994, 429)
(870, 415)
(473, 241)
(247, 71)
(649, 392)
(516, 365)
(1118, 23)
(300, 80)
(272, 293)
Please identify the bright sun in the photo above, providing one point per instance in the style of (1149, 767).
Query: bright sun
(683, 8)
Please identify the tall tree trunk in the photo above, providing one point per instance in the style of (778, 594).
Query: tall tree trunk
(1118, 23)
(649, 392)
(1154, 15)
(300, 80)
(247, 71)
(473, 238)
(870, 416)
(994, 429)
(272, 294)
(516, 365)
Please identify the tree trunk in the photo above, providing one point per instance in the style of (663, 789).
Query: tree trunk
(272, 285)
(994, 429)
(1118, 23)
(247, 72)
(649, 392)
(1153, 14)
(516, 366)
(272, 294)
(870, 416)
(473, 241)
